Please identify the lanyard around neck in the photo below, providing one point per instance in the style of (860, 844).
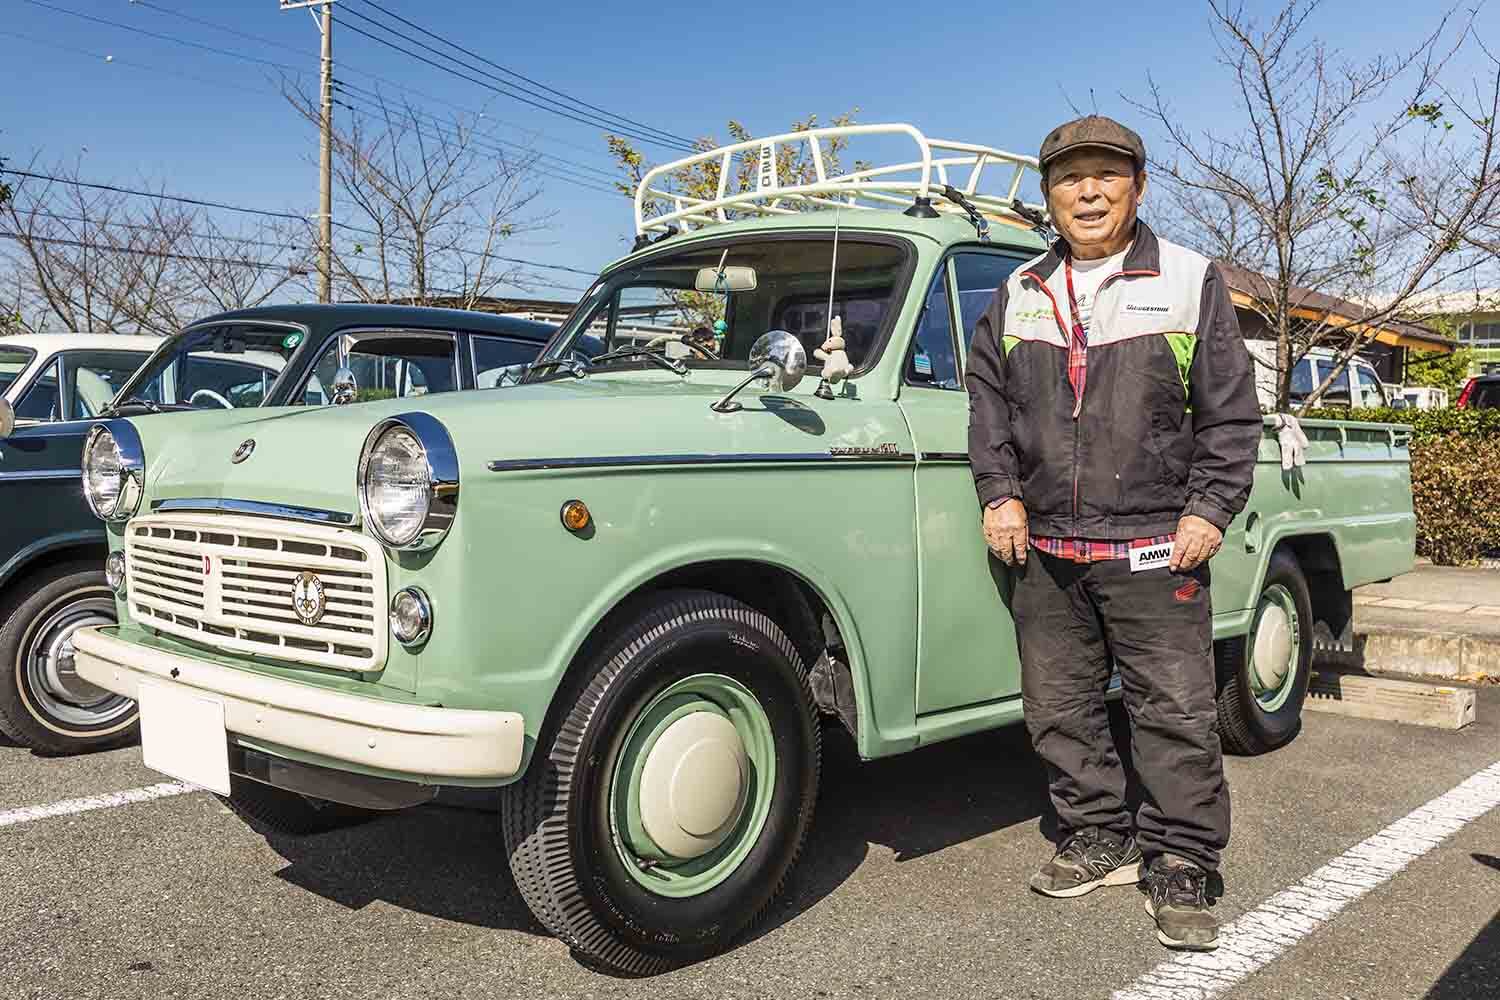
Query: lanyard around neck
(1079, 333)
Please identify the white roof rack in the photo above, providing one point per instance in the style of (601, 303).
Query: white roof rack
(895, 185)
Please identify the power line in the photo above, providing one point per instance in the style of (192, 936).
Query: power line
(113, 60)
(165, 38)
(363, 93)
(595, 184)
(669, 136)
(163, 254)
(243, 240)
(592, 122)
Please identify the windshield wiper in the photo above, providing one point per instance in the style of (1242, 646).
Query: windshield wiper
(573, 366)
(661, 360)
(114, 408)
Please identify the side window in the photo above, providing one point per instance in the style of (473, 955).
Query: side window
(500, 360)
(1338, 392)
(931, 361)
(95, 377)
(979, 277)
(1370, 392)
(43, 401)
(221, 384)
(1302, 378)
(386, 365)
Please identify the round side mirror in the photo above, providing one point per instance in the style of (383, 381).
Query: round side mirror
(344, 387)
(785, 353)
(7, 419)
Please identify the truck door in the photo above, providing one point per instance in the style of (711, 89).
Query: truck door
(966, 644)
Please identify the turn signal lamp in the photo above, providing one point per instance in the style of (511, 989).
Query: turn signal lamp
(576, 516)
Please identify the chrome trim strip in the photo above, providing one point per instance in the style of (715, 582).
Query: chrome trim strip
(255, 508)
(822, 458)
(946, 456)
(6, 477)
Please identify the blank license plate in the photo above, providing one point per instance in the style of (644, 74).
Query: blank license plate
(182, 735)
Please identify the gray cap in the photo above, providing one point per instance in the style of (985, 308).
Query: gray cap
(1092, 130)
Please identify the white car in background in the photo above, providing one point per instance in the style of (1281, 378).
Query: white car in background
(1358, 385)
(51, 377)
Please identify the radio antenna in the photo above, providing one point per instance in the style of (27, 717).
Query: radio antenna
(833, 275)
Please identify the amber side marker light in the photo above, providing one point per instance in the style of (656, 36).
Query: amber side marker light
(576, 516)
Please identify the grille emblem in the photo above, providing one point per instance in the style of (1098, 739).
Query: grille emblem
(207, 565)
(243, 451)
(308, 599)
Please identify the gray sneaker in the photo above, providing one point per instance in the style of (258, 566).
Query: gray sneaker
(1177, 899)
(1086, 861)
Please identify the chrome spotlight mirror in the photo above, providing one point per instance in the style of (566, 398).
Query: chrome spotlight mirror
(345, 388)
(779, 358)
(7, 419)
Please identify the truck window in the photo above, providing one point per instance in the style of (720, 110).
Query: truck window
(1338, 392)
(979, 277)
(932, 361)
(1370, 392)
(1302, 378)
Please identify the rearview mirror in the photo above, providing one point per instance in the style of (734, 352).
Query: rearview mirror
(735, 279)
(7, 419)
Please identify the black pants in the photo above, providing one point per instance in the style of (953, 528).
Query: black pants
(1072, 620)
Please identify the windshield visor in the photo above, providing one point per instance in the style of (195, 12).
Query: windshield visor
(656, 302)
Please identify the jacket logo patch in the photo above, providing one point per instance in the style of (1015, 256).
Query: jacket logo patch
(1146, 308)
(1035, 315)
(1187, 591)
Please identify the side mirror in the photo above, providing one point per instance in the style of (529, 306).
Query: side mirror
(7, 419)
(345, 388)
(779, 358)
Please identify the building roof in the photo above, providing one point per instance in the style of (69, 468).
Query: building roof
(1245, 287)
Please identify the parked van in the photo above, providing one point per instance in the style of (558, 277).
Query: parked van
(1309, 373)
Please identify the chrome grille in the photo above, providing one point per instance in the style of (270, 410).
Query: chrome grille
(228, 580)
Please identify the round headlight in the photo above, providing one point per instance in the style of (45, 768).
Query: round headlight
(408, 481)
(112, 470)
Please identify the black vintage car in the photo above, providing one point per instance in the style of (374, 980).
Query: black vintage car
(52, 548)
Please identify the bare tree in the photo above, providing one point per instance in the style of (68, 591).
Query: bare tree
(89, 259)
(1335, 179)
(424, 206)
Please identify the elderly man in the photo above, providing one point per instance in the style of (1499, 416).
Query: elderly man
(1113, 432)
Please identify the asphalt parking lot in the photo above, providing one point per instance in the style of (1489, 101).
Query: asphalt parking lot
(912, 885)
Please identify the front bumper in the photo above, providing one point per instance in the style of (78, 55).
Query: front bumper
(425, 742)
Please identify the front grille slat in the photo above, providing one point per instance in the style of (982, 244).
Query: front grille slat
(243, 603)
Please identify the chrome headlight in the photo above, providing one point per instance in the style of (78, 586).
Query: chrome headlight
(408, 481)
(114, 470)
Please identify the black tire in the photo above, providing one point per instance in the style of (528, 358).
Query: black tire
(281, 811)
(557, 819)
(36, 613)
(1246, 727)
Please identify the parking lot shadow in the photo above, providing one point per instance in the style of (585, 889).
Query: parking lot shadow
(450, 862)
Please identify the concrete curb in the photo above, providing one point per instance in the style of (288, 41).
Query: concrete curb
(1415, 653)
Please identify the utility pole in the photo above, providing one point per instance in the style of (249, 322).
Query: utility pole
(325, 144)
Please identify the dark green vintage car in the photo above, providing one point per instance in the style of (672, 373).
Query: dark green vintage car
(52, 549)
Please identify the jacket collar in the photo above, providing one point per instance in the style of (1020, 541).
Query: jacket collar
(1143, 259)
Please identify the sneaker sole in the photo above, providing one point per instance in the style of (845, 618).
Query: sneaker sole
(1175, 944)
(1124, 875)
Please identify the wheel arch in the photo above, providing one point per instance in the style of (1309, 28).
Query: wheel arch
(80, 545)
(1318, 557)
(791, 596)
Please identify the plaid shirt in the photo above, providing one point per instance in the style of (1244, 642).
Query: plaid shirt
(1091, 550)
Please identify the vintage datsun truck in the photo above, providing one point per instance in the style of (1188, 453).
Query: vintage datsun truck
(52, 551)
(630, 589)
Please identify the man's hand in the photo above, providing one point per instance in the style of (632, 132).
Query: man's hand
(1005, 532)
(1197, 541)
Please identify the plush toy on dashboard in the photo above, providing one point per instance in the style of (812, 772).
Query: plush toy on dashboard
(836, 365)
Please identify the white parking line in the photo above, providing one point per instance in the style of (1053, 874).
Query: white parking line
(1258, 937)
(26, 814)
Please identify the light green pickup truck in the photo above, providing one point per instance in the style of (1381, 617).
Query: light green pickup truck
(634, 588)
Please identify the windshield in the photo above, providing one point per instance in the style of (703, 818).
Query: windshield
(215, 367)
(13, 361)
(779, 284)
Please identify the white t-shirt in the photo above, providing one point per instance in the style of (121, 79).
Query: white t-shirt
(1088, 275)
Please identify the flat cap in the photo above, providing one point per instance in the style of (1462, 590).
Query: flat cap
(1092, 130)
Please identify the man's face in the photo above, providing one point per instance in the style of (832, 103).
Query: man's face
(1093, 196)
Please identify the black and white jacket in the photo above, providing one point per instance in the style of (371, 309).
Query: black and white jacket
(1168, 424)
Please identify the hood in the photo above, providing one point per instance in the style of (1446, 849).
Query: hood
(309, 457)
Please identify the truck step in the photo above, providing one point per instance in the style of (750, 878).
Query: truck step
(1411, 702)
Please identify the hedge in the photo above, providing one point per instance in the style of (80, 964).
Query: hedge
(1455, 478)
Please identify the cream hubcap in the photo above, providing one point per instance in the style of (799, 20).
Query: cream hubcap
(694, 784)
(1273, 648)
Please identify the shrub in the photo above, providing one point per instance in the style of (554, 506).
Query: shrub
(1455, 487)
(1424, 423)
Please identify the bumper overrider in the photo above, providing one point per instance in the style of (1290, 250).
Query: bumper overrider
(420, 742)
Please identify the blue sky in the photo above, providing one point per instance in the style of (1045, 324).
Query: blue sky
(1000, 73)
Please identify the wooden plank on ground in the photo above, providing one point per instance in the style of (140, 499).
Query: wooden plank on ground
(1411, 702)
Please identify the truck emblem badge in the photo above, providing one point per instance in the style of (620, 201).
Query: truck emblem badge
(308, 599)
(208, 565)
(243, 451)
